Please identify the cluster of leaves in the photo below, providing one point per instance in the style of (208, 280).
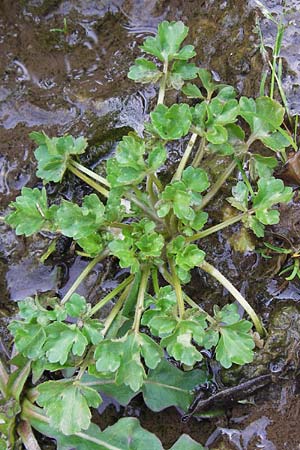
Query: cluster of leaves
(149, 225)
(183, 337)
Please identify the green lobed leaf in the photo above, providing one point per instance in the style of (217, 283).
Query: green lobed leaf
(168, 386)
(192, 91)
(144, 71)
(157, 157)
(80, 222)
(31, 213)
(235, 344)
(62, 340)
(29, 338)
(171, 123)
(76, 305)
(185, 442)
(239, 197)
(53, 154)
(166, 44)
(67, 404)
(181, 71)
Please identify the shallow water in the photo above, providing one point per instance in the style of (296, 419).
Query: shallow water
(77, 83)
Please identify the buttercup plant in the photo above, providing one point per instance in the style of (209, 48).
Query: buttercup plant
(154, 229)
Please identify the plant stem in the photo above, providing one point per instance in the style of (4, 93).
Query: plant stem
(111, 295)
(236, 294)
(26, 434)
(115, 310)
(150, 191)
(140, 299)
(144, 208)
(162, 86)
(200, 153)
(193, 304)
(83, 274)
(90, 173)
(155, 282)
(89, 181)
(3, 379)
(156, 181)
(218, 227)
(217, 185)
(177, 286)
(185, 157)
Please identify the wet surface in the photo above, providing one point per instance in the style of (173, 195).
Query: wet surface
(75, 82)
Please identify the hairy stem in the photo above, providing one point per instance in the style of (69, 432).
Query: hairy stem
(84, 274)
(235, 293)
(88, 181)
(177, 286)
(218, 227)
(185, 157)
(140, 299)
(200, 153)
(28, 439)
(111, 295)
(217, 185)
(90, 173)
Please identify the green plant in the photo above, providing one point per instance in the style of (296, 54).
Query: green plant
(154, 228)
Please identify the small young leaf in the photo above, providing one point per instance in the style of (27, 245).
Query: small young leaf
(180, 72)
(165, 45)
(171, 123)
(144, 71)
(76, 305)
(185, 442)
(53, 154)
(31, 213)
(192, 91)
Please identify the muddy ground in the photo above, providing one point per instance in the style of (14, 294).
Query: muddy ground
(76, 83)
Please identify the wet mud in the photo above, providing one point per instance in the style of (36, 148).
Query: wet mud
(75, 82)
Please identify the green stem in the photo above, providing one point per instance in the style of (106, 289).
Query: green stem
(235, 293)
(90, 173)
(111, 295)
(217, 185)
(115, 310)
(244, 176)
(26, 434)
(156, 181)
(218, 227)
(177, 286)
(193, 304)
(162, 86)
(4, 377)
(150, 191)
(185, 157)
(200, 153)
(144, 208)
(155, 283)
(84, 274)
(88, 180)
(140, 299)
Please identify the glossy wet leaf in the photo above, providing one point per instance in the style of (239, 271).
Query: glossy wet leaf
(171, 123)
(29, 338)
(168, 386)
(181, 71)
(239, 197)
(76, 305)
(157, 157)
(31, 213)
(185, 442)
(235, 345)
(62, 340)
(195, 179)
(123, 357)
(166, 44)
(264, 116)
(79, 222)
(53, 154)
(262, 166)
(270, 192)
(67, 404)
(144, 71)
(192, 91)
